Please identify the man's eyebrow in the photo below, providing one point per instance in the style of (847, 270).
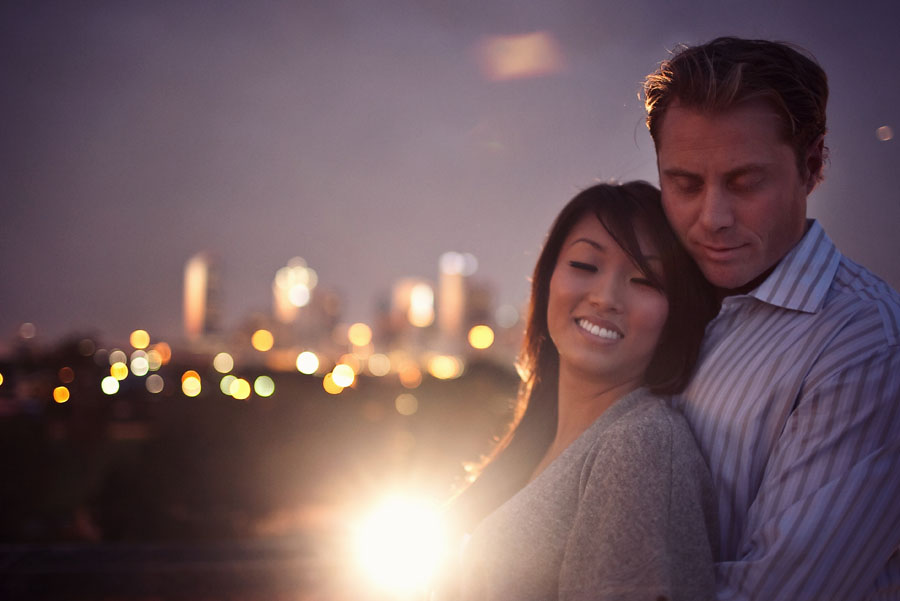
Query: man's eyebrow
(679, 172)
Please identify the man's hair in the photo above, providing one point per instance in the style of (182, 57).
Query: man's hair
(726, 71)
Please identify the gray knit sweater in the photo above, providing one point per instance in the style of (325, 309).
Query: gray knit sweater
(625, 512)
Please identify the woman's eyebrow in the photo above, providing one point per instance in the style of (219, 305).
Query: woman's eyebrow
(593, 243)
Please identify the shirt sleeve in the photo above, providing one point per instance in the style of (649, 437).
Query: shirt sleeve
(826, 518)
(640, 531)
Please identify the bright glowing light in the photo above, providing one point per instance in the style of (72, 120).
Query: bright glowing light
(351, 360)
(379, 365)
(66, 375)
(307, 362)
(60, 394)
(1, 379)
(240, 389)
(359, 334)
(299, 295)
(329, 385)
(27, 330)
(262, 340)
(155, 384)
(189, 374)
(223, 363)
(421, 306)
(520, 56)
(406, 404)
(225, 384)
(191, 386)
(109, 385)
(140, 366)
(154, 360)
(164, 350)
(401, 544)
(139, 339)
(343, 375)
(264, 386)
(445, 367)
(481, 337)
(117, 356)
(884, 133)
(118, 370)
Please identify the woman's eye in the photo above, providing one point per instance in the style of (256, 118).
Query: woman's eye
(583, 266)
(644, 282)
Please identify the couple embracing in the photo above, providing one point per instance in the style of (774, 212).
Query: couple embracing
(710, 404)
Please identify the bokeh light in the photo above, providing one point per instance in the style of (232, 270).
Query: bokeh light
(406, 404)
(299, 295)
(359, 334)
(481, 337)
(520, 56)
(139, 339)
(27, 330)
(421, 306)
(140, 366)
(401, 544)
(225, 384)
(86, 347)
(1, 379)
(164, 350)
(884, 133)
(118, 370)
(154, 360)
(379, 365)
(155, 383)
(507, 316)
(307, 362)
(117, 356)
(66, 375)
(264, 386)
(262, 340)
(352, 361)
(445, 367)
(410, 375)
(330, 386)
(60, 394)
(343, 375)
(223, 363)
(190, 384)
(240, 389)
(109, 385)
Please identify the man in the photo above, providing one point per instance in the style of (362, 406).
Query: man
(796, 401)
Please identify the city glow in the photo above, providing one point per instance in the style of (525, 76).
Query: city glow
(299, 295)
(262, 340)
(406, 404)
(264, 386)
(307, 362)
(60, 394)
(118, 370)
(421, 306)
(109, 385)
(140, 366)
(191, 385)
(359, 334)
(481, 337)
(66, 375)
(379, 365)
(223, 363)
(401, 544)
(329, 385)
(240, 389)
(520, 56)
(454, 263)
(139, 339)
(155, 384)
(117, 356)
(445, 367)
(343, 375)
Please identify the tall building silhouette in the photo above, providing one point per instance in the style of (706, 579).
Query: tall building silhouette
(202, 297)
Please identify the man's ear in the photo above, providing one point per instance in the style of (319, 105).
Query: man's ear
(815, 163)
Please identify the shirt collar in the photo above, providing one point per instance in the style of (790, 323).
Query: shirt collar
(802, 278)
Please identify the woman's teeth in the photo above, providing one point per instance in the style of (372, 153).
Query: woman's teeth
(597, 330)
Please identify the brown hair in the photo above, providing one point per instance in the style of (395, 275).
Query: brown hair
(726, 71)
(624, 210)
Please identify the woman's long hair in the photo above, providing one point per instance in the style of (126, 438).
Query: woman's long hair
(624, 210)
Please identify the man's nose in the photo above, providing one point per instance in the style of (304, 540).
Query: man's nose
(716, 210)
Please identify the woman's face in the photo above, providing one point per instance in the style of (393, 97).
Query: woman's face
(604, 316)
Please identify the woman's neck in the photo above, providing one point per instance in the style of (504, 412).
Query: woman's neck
(581, 401)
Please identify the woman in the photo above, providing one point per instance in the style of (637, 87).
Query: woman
(598, 491)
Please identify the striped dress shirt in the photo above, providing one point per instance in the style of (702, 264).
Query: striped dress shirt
(796, 406)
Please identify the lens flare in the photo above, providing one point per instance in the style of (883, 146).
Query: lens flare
(240, 389)
(139, 339)
(307, 362)
(329, 385)
(343, 375)
(481, 337)
(109, 385)
(118, 370)
(262, 340)
(191, 385)
(60, 394)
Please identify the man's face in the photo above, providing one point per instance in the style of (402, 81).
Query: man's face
(732, 190)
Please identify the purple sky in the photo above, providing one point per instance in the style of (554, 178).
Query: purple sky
(364, 137)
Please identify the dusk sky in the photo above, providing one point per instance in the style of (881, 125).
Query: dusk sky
(367, 138)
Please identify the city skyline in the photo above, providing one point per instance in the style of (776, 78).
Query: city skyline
(367, 140)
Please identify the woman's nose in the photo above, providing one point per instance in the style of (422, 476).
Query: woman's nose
(607, 292)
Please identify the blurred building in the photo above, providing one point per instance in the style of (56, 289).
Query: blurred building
(202, 297)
